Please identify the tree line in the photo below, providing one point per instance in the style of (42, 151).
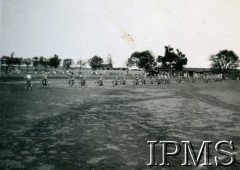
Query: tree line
(11, 60)
(172, 60)
(54, 61)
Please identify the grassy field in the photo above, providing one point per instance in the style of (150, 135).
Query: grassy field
(108, 128)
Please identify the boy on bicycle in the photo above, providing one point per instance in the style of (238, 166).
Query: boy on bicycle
(100, 81)
(44, 81)
(71, 79)
(159, 79)
(83, 80)
(124, 82)
(29, 78)
(151, 81)
(115, 80)
(137, 82)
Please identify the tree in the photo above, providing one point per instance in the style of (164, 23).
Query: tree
(44, 62)
(35, 61)
(95, 62)
(54, 61)
(129, 63)
(67, 63)
(110, 61)
(172, 60)
(9, 62)
(144, 60)
(224, 60)
(12, 55)
(81, 64)
(18, 61)
(27, 61)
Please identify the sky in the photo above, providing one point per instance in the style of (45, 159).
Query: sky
(80, 29)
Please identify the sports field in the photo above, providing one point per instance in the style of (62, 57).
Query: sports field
(108, 127)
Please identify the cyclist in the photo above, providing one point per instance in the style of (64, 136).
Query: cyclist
(136, 82)
(159, 79)
(100, 81)
(151, 81)
(167, 78)
(143, 80)
(44, 80)
(71, 80)
(28, 83)
(115, 81)
(179, 80)
(124, 82)
(83, 80)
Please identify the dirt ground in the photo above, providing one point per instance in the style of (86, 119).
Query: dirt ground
(108, 127)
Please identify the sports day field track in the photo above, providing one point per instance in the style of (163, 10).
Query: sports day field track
(108, 127)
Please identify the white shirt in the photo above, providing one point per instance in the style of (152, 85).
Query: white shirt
(28, 76)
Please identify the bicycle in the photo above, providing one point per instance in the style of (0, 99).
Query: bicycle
(71, 82)
(136, 82)
(116, 82)
(100, 83)
(83, 83)
(44, 83)
(28, 85)
(123, 82)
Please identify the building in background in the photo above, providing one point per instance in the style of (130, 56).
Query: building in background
(106, 67)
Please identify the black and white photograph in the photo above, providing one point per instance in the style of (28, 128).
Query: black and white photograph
(120, 85)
